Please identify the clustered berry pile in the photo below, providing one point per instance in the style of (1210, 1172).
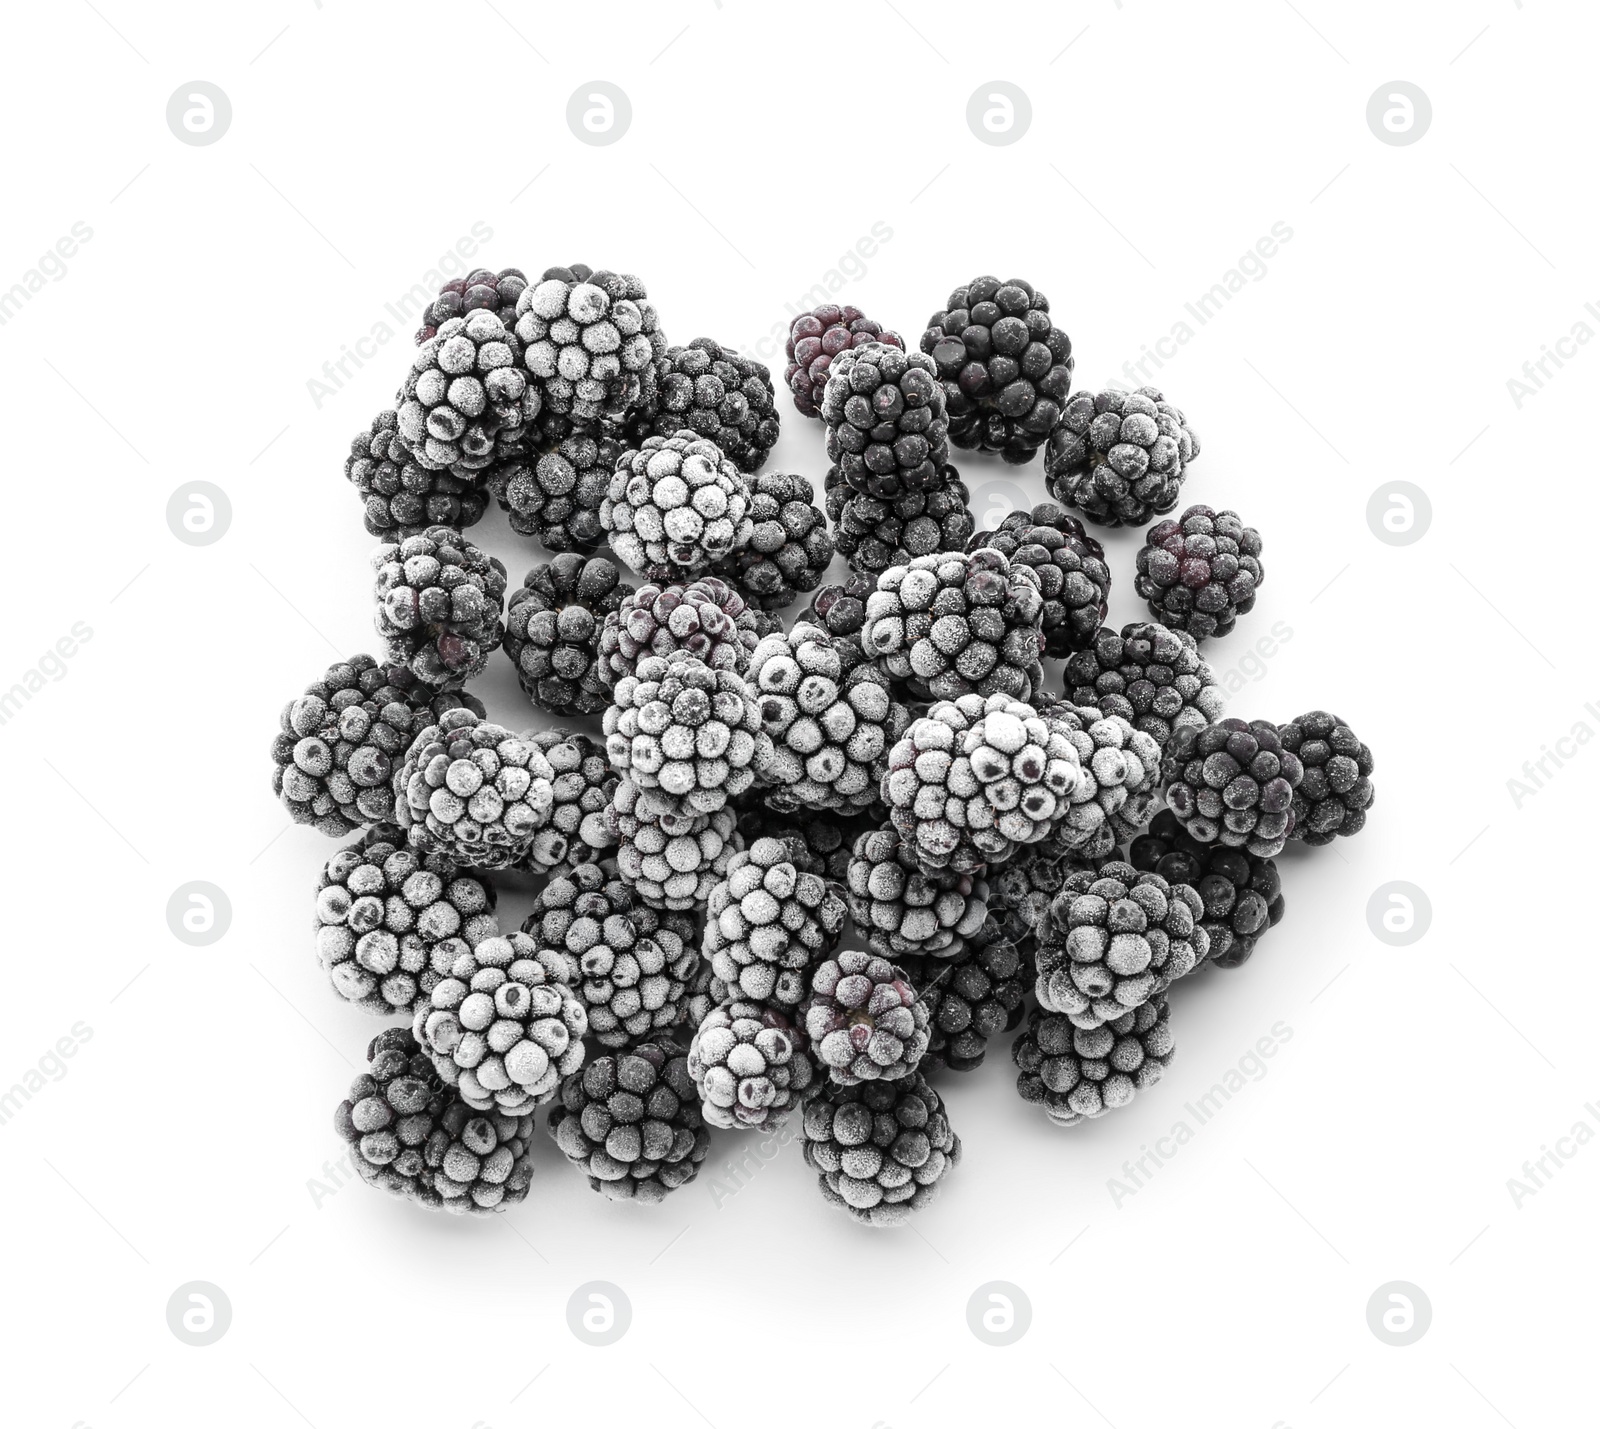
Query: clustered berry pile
(788, 867)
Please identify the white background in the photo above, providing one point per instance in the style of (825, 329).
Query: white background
(186, 1136)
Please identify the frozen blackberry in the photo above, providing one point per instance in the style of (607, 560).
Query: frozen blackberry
(466, 401)
(1004, 366)
(707, 992)
(382, 910)
(768, 924)
(504, 1027)
(874, 533)
(885, 419)
(473, 791)
(972, 997)
(1200, 572)
(590, 342)
(841, 610)
(397, 492)
(579, 830)
(1332, 799)
(1121, 782)
(438, 605)
(1021, 891)
(553, 631)
(671, 862)
(957, 624)
(1233, 783)
(880, 1149)
(1151, 676)
(1073, 576)
(900, 910)
(706, 618)
(817, 843)
(1115, 939)
(815, 339)
(790, 544)
(864, 1020)
(716, 393)
(339, 743)
(829, 731)
(675, 507)
(481, 288)
(1077, 1073)
(632, 1124)
(1120, 457)
(389, 1116)
(632, 964)
(750, 1065)
(1242, 894)
(555, 495)
(692, 732)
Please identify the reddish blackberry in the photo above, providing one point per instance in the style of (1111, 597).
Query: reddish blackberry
(886, 422)
(790, 545)
(1233, 783)
(555, 496)
(1151, 676)
(1073, 576)
(1120, 457)
(815, 339)
(1200, 572)
(397, 492)
(553, 632)
(874, 533)
(1004, 366)
(1078, 1073)
(1336, 792)
(481, 288)
(717, 394)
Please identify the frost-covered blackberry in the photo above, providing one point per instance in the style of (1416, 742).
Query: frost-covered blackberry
(466, 401)
(864, 1020)
(391, 1114)
(1120, 457)
(901, 910)
(971, 997)
(675, 862)
(504, 1027)
(815, 339)
(631, 1123)
(555, 495)
(750, 1065)
(885, 419)
(720, 395)
(1233, 783)
(706, 618)
(1022, 890)
(552, 634)
(397, 492)
(1151, 676)
(790, 545)
(481, 288)
(438, 605)
(382, 911)
(841, 610)
(1071, 565)
(1120, 785)
(675, 507)
(768, 924)
(590, 341)
(474, 791)
(816, 842)
(1077, 1073)
(881, 1148)
(1115, 939)
(873, 533)
(579, 830)
(1332, 799)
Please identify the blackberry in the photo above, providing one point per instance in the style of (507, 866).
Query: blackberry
(957, 624)
(338, 744)
(815, 339)
(972, 997)
(590, 342)
(633, 964)
(901, 910)
(481, 288)
(671, 863)
(768, 924)
(874, 533)
(504, 1026)
(790, 544)
(880, 1149)
(829, 731)
(397, 492)
(864, 1020)
(750, 1065)
(438, 605)
(719, 395)
(1233, 783)
(556, 495)
(1022, 889)
(841, 610)
(1242, 894)
(1004, 366)
(706, 618)
(1116, 938)
(466, 401)
(631, 1123)
(885, 419)
(1151, 676)
(473, 791)
(1077, 1073)
(1332, 799)
(580, 794)
(1200, 572)
(553, 632)
(1120, 784)
(390, 1114)
(707, 992)
(817, 843)
(382, 910)
(1120, 457)
(675, 507)
(1073, 576)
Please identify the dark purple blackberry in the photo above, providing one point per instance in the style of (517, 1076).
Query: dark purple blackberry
(818, 843)
(841, 610)
(397, 492)
(1336, 792)
(717, 394)
(555, 495)
(1004, 366)
(815, 339)
(1073, 576)
(972, 997)
(790, 545)
(481, 288)
(1242, 894)
(1200, 572)
(886, 422)
(1151, 676)
(466, 402)
(553, 632)
(1076, 1073)
(1233, 783)
(1120, 457)
(873, 533)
